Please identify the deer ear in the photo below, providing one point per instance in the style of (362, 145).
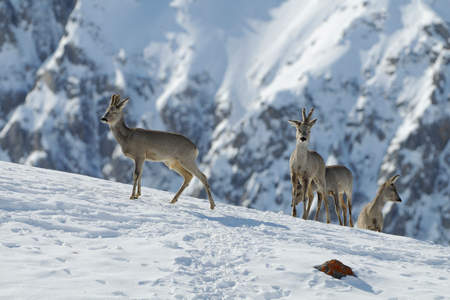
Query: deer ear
(295, 123)
(122, 103)
(311, 124)
(393, 179)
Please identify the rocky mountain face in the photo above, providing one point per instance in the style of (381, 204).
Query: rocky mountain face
(228, 75)
(29, 34)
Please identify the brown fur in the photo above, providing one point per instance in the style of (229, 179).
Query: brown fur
(339, 180)
(305, 166)
(371, 216)
(175, 150)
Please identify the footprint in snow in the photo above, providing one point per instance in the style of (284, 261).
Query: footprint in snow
(188, 238)
(276, 293)
(97, 247)
(280, 268)
(169, 244)
(120, 259)
(184, 261)
(10, 245)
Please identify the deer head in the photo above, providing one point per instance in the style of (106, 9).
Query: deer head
(114, 111)
(390, 191)
(304, 127)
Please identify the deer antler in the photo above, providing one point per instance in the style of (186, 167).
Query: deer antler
(304, 115)
(115, 99)
(307, 119)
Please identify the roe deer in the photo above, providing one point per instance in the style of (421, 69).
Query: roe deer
(339, 181)
(371, 216)
(306, 165)
(175, 150)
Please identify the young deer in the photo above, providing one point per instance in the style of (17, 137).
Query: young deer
(339, 181)
(371, 216)
(306, 165)
(175, 150)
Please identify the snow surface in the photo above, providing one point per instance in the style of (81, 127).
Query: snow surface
(68, 236)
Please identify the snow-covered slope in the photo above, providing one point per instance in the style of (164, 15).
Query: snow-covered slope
(228, 75)
(67, 236)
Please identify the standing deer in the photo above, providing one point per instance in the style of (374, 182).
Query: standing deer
(339, 181)
(371, 216)
(175, 150)
(305, 166)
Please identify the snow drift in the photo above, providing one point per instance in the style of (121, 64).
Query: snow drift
(71, 236)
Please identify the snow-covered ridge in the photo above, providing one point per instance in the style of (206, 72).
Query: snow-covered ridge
(74, 237)
(228, 75)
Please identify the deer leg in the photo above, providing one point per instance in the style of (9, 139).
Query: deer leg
(344, 208)
(193, 169)
(138, 164)
(185, 174)
(319, 204)
(294, 180)
(298, 198)
(349, 204)
(337, 207)
(325, 198)
(139, 184)
(305, 185)
(321, 194)
(310, 200)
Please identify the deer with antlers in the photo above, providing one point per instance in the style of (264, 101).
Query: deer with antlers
(174, 150)
(371, 216)
(305, 166)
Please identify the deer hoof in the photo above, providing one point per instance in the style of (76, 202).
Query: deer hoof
(173, 201)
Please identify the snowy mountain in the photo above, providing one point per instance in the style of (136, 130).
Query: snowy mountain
(67, 236)
(228, 75)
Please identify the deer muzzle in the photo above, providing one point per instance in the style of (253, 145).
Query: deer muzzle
(104, 120)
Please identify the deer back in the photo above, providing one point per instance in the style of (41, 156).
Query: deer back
(338, 176)
(158, 145)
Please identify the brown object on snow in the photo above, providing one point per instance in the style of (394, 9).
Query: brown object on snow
(335, 268)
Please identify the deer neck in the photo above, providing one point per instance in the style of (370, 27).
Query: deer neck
(379, 201)
(302, 151)
(120, 131)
